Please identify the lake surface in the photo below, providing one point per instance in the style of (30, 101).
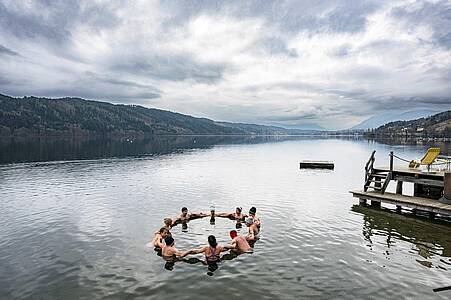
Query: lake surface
(74, 229)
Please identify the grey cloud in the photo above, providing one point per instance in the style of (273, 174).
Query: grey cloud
(7, 51)
(55, 28)
(299, 117)
(29, 26)
(114, 81)
(436, 15)
(171, 67)
(276, 46)
(290, 15)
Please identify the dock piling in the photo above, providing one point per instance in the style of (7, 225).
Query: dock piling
(446, 188)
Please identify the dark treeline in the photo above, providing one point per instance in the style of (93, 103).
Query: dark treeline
(32, 116)
(436, 126)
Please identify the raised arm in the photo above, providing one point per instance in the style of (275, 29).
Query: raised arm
(230, 246)
(194, 251)
(199, 215)
(223, 215)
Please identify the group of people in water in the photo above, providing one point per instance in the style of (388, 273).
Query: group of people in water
(164, 241)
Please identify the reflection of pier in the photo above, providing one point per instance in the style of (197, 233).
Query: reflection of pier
(429, 187)
(396, 226)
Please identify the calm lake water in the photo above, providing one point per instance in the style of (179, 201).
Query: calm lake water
(78, 229)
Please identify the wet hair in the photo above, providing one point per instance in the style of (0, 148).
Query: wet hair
(162, 229)
(239, 209)
(233, 234)
(253, 210)
(184, 209)
(212, 241)
(167, 221)
(169, 240)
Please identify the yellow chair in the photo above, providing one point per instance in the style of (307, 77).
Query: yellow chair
(428, 158)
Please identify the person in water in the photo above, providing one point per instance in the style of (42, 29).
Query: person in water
(253, 215)
(168, 223)
(169, 252)
(253, 231)
(239, 243)
(185, 216)
(212, 251)
(158, 240)
(237, 215)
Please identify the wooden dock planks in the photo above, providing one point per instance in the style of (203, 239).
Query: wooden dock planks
(420, 203)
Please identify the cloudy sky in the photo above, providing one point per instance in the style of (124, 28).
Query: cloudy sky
(289, 63)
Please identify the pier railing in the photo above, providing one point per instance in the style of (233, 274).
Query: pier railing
(369, 166)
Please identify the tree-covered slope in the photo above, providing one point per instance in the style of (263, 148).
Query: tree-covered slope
(32, 116)
(438, 125)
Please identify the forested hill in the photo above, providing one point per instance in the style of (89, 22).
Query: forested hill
(436, 126)
(32, 116)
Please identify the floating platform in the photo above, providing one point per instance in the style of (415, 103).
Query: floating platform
(318, 164)
(419, 203)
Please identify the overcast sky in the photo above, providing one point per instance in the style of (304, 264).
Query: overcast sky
(331, 63)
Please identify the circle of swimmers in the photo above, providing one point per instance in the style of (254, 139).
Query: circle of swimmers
(164, 241)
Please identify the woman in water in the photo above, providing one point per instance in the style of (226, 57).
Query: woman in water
(212, 251)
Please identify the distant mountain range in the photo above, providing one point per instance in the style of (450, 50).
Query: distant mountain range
(387, 117)
(33, 116)
(436, 126)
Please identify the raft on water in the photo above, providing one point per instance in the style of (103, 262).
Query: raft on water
(316, 164)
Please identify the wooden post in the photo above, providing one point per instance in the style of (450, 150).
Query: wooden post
(418, 190)
(399, 187)
(391, 162)
(376, 204)
(398, 208)
(446, 188)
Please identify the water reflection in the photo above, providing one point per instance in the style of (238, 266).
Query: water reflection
(432, 245)
(50, 149)
(445, 147)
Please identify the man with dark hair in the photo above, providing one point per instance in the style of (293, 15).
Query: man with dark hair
(159, 237)
(185, 216)
(253, 215)
(169, 252)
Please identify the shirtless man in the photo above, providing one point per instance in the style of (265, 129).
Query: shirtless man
(237, 215)
(239, 243)
(185, 216)
(253, 215)
(158, 240)
(252, 236)
(169, 252)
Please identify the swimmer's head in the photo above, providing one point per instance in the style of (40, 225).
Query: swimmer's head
(238, 210)
(184, 211)
(252, 211)
(249, 221)
(233, 234)
(169, 241)
(167, 222)
(212, 241)
(163, 231)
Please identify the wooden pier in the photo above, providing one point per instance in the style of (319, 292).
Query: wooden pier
(432, 189)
